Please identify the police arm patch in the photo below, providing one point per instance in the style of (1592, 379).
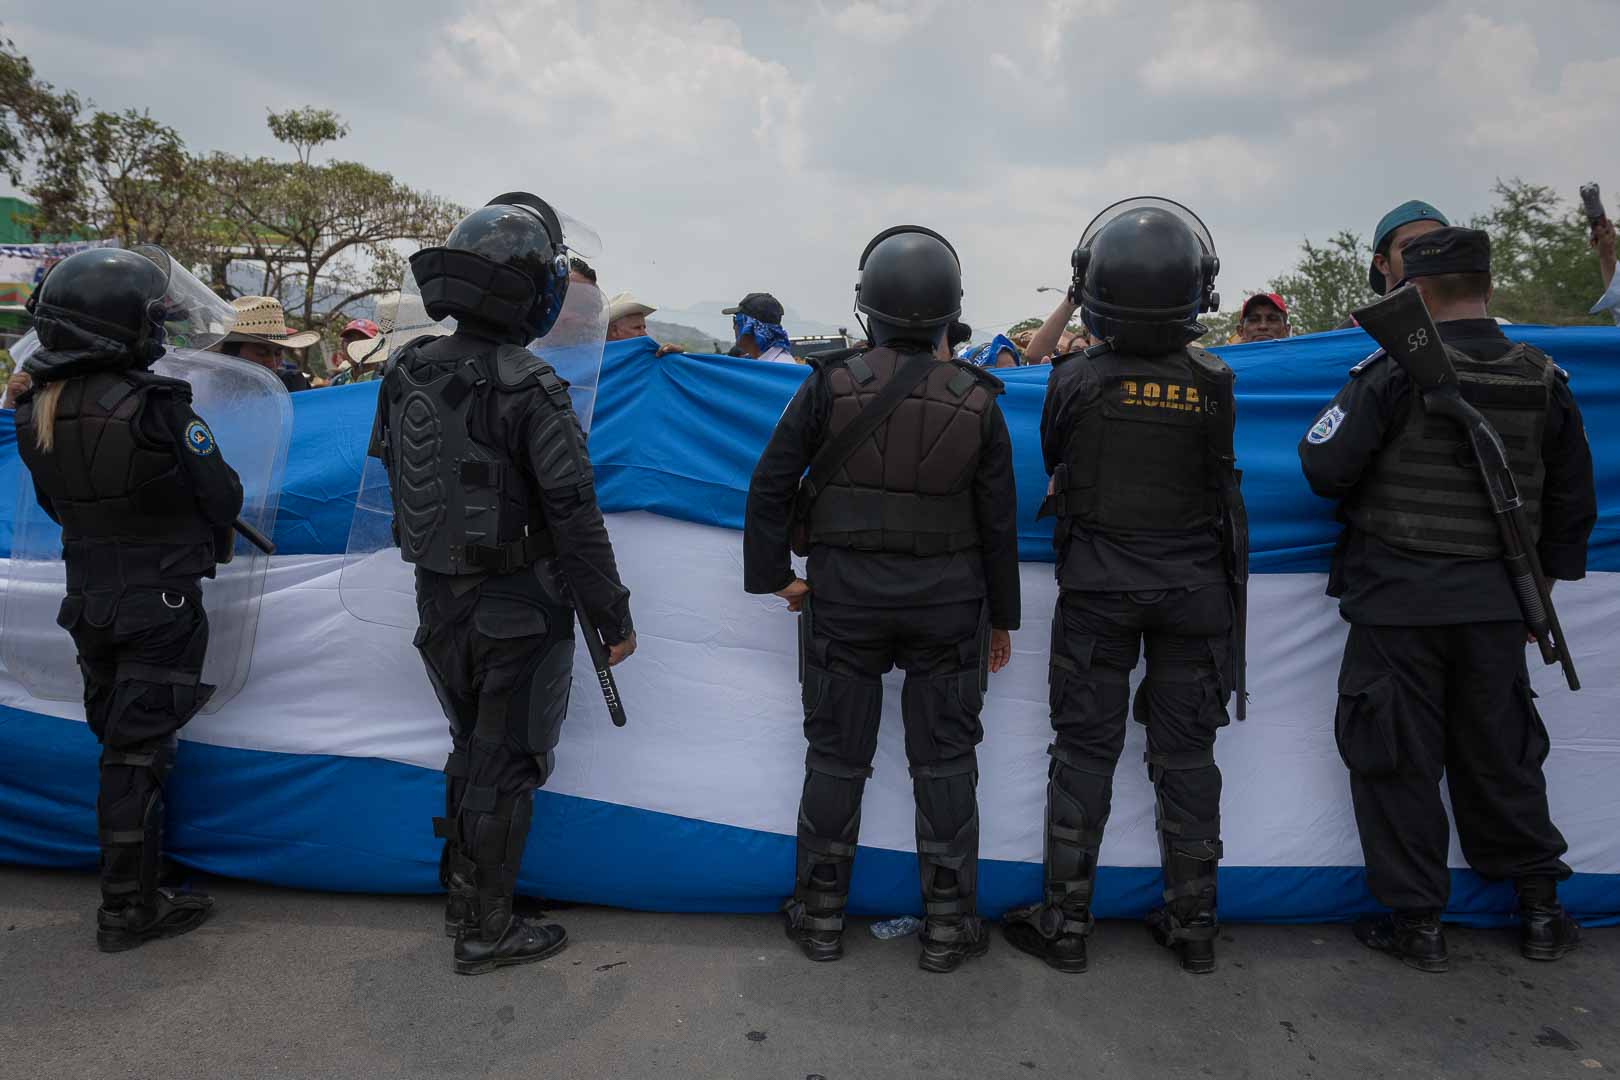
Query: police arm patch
(1327, 427)
(199, 440)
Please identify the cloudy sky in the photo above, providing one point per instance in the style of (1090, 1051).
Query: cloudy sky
(723, 147)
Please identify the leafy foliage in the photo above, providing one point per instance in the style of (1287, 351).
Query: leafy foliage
(318, 237)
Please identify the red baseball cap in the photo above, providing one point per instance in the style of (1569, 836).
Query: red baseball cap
(362, 326)
(1270, 297)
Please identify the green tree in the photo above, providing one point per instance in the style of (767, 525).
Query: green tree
(323, 235)
(1541, 265)
(305, 129)
(37, 124)
(1327, 283)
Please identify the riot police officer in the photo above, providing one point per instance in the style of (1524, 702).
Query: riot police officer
(1434, 679)
(494, 503)
(1150, 539)
(908, 516)
(146, 501)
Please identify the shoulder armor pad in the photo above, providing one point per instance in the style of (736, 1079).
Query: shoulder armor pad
(157, 382)
(980, 375)
(1357, 371)
(517, 367)
(1209, 363)
(829, 357)
(1538, 358)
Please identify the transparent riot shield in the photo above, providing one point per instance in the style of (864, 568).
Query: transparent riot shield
(376, 584)
(573, 346)
(250, 415)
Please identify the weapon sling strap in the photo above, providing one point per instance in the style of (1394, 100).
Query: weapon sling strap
(832, 456)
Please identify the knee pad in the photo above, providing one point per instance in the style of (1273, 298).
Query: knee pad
(831, 804)
(1080, 779)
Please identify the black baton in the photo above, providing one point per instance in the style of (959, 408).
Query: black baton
(254, 536)
(599, 661)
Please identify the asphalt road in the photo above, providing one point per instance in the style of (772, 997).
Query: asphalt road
(292, 984)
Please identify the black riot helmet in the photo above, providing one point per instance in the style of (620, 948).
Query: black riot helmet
(911, 285)
(504, 268)
(1144, 271)
(102, 308)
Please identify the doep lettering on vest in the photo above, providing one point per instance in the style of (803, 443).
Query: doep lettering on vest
(1172, 396)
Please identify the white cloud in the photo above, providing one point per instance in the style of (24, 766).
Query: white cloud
(1233, 48)
(721, 146)
(659, 79)
(878, 22)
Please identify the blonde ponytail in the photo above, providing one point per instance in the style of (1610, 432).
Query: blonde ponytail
(45, 416)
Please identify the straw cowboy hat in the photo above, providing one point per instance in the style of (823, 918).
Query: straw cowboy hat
(625, 304)
(401, 322)
(262, 319)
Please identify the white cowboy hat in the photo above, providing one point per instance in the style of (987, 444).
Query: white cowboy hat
(625, 303)
(401, 323)
(262, 319)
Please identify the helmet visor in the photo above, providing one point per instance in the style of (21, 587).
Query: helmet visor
(1143, 202)
(191, 314)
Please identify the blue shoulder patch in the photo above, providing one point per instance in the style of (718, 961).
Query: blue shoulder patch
(199, 439)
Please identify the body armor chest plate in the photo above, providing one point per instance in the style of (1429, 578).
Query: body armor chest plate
(106, 478)
(1424, 491)
(1138, 456)
(908, 488)
(459, 506)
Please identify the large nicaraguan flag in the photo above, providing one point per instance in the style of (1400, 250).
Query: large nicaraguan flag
(323, 772)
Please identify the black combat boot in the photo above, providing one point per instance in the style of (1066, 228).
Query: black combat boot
(814, 916)
(1547, 931)
(1413, 937)
(165, 913)
(1187, 924)
(946, 944)
(1056, 931)
(1054, 934)
(503, 939)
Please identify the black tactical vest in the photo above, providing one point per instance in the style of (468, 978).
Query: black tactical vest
(1147, 454)
(1424, 490)
(460, 507)
(107, 479)
(909, 488)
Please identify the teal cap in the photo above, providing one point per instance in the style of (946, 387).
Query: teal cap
(1404, 214)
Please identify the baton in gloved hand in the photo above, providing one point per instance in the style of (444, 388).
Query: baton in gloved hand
(599, 660)
(1401, 324)
(254, 536)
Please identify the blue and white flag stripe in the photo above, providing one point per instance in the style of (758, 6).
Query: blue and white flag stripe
(322, 772)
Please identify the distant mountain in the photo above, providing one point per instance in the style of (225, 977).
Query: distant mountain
(689, 338)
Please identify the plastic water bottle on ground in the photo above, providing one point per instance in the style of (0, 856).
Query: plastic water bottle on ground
(889, 929)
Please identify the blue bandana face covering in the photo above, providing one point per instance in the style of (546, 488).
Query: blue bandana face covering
(765, 334)
(985, 355)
